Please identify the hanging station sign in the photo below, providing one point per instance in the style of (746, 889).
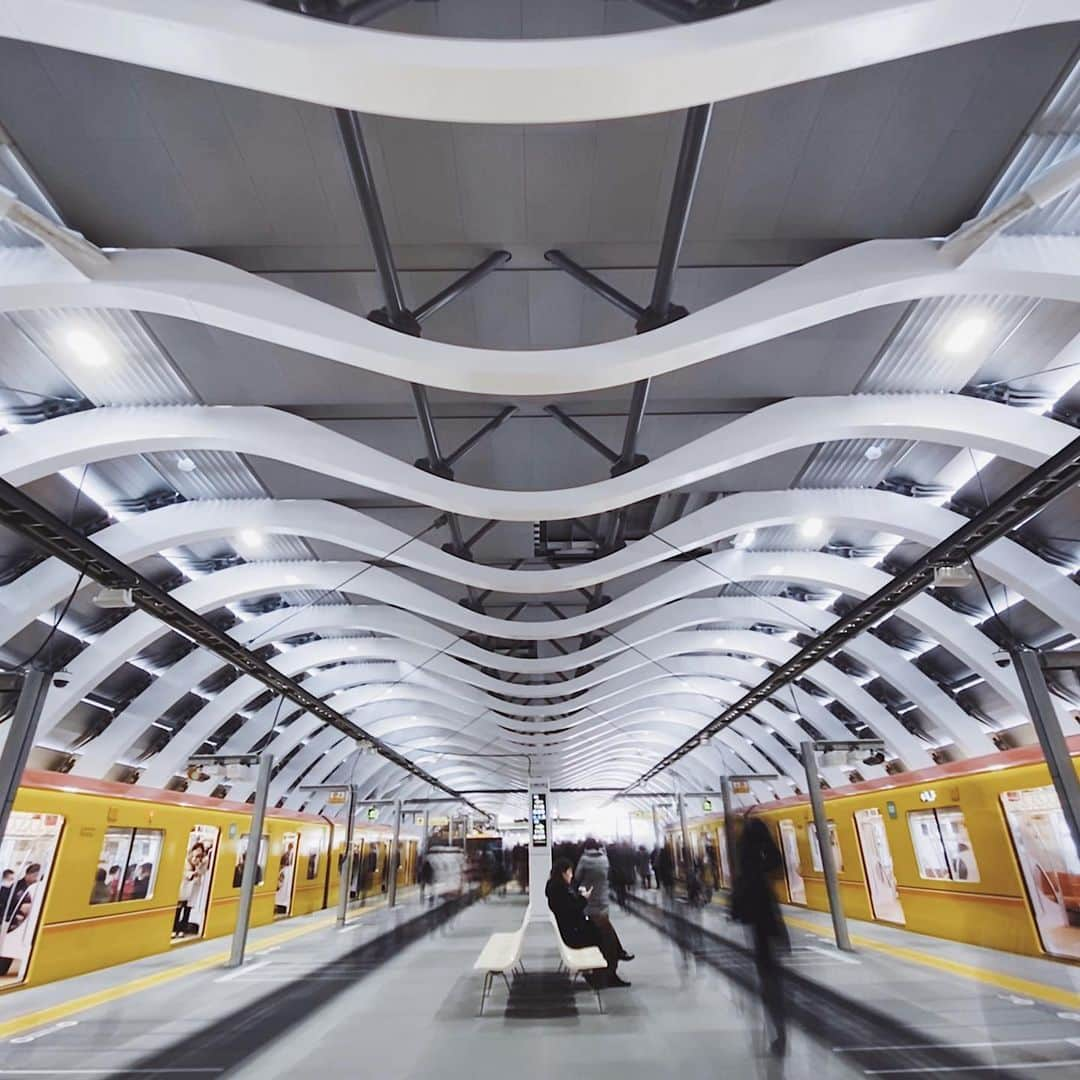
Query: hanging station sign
(538, 816)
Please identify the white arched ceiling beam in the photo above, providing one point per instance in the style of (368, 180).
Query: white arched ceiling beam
(46, 584)
(138, 629)
(78, 439)
(857, 278)
(520, 82)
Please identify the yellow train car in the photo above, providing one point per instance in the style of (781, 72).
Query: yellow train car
(95, 873)
(975, 851)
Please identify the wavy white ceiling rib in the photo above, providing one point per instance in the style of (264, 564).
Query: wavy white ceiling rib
(191, 522)
(854, 279)
(29, 453)
(494, 82)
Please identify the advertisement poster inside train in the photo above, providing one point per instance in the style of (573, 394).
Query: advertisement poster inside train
(789, 844)
(286, 874)
(241, 856)
(877, 858)
(311, 844)
(194, 897)
(27, 853)
(1050, 865)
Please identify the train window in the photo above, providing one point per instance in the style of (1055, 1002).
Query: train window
(311, 844)
(789, 844)
(877, 857)
(815, 847)
(1050, 865)
(942, 846)
(286, 875)
(127, 865)
(27, 853)
(241, 855)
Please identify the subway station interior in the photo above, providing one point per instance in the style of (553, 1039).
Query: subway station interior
(592, 486)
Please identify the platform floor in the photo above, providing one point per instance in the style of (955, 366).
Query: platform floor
(393, 996)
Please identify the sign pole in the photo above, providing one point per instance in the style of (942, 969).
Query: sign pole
(251, 860)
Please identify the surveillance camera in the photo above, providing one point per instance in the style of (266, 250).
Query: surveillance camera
(61, 678)
(1002, 657)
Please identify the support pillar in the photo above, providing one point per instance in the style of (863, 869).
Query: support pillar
(828, 863)
(23, 727)
(395, 857)
(251, 860)
(729, 826)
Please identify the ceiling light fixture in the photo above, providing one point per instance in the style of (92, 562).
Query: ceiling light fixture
(776, 568)
(744, 539)
(87, 349)
(185, 464)
(965, 334)
(252, 538)
(811, 527)
(292, 579)
(873, 453)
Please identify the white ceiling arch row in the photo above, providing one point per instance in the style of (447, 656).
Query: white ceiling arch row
(855, 279)
(82, 438)
(493, 82)
(136, 631)
(193, 521)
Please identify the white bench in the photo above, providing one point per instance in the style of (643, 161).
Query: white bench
(498, 956)
(580, 961)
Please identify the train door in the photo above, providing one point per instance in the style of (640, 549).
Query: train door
(789, 844)
(1051, 869)
(283, 896)
(193, 900)
(725, 857)
(877, 858)
(27, 854)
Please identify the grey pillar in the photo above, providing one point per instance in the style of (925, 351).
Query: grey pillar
(685, 833)
(20, 739)
(1051, 738)
(828, 863)
(658, 836)
(424, 840)
(395, 858)
(729, 826)
(251, 860)
(345, 880)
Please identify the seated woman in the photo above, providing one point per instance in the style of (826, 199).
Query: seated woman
(575, 927)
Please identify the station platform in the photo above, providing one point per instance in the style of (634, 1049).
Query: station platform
(393, 995)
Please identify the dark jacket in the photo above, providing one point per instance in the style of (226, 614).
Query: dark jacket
(753, 901)
(569, 911)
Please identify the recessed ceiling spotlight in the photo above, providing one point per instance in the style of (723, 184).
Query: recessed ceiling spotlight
(87, 349)
(252, 538)
(776, 568)
(744, 539)
(186, 464)
(873, 453)
(811, 527)
(965, 334)
(292, 579)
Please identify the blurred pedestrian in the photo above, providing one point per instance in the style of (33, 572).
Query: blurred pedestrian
(753, 903)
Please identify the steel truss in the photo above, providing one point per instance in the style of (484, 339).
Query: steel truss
(55, 537)
(1007, 512)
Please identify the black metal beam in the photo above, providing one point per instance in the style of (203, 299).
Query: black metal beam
(686, 11)
(56, 537)
(495, 422)
(629, 457)
(364, 11)
(597, 285)
(687, 171)
(582, 433)
(481, 532)
(461, 284)
(1009, 511)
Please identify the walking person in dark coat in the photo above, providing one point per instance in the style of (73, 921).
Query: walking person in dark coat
(576, 929)
(592, 875)
(753, 903)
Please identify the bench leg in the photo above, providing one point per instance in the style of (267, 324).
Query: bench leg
(506, 980)
(485, 991)
(599, 999)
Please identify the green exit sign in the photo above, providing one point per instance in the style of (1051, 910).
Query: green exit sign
(706, 805)
(373, 813)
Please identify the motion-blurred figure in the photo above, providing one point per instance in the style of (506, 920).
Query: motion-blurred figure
(592, 875)
(754, 904)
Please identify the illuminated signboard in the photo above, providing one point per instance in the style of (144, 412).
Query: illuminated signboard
(539, 819)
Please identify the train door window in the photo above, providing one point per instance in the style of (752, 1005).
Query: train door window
(127, 865)
(241, 856)
(815, 847)
(725, 858)
(789, 842)
(310, 849)
(194, 897)
(27, 854)
(1051, 868)
(286, 874)
(942, 846)
(877, 857)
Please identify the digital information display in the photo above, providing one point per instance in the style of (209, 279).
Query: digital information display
(539, 819)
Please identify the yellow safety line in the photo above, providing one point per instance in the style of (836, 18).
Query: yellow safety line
(40, 1017)
(1053, 994)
